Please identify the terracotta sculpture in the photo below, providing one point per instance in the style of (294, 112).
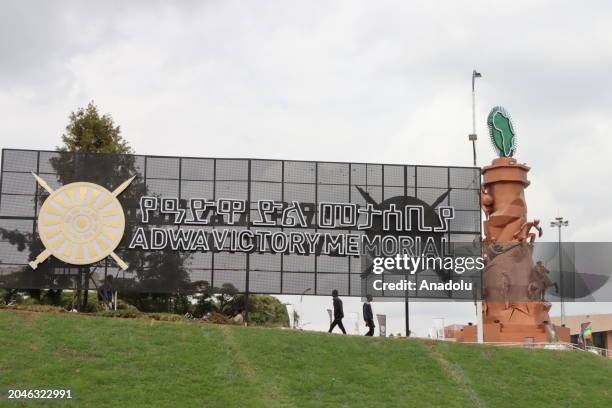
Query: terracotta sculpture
(514, 307)
(540, 282)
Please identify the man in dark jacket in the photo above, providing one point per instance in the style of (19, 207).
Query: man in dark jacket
(368, 316)
(338, 313)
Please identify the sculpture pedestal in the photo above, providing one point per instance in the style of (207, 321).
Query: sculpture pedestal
(520, 333)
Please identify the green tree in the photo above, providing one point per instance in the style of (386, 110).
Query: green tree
(90, 132)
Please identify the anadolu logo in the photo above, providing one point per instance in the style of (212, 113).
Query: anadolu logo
(81, 223)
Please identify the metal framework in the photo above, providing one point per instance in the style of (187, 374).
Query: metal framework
(307, 182)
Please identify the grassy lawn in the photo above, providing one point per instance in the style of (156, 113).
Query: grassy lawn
(133, 363)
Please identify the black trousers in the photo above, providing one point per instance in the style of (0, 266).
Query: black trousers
(370, 324)
(339, 323)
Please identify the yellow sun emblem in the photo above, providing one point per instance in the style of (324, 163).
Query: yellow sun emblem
(81, 223)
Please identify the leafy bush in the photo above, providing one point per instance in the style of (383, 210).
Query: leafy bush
(28, 301)
(53, 297)
(263, 310)
(147, 302)
(93, 307)
(8, 296)
(122, 305)
(203, 307)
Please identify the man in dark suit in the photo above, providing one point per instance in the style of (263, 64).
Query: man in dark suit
(368, 316)
(338, 313)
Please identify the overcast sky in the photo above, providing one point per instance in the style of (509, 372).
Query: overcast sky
(384, 81)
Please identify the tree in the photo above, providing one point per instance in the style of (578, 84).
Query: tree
(225, 297)
(88, 132)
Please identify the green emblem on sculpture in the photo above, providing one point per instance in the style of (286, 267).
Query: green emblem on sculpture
(501, 132)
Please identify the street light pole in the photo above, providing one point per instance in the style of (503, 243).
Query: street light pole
(472, 137)
(560, 222)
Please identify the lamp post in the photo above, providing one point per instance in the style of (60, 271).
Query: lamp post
(472, 137)
(560, 222)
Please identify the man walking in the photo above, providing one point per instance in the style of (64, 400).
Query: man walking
(338, 313)
(368, 316)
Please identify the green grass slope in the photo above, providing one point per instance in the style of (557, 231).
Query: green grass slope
(139, 363)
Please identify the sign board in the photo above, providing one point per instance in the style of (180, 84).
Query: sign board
(166, 224)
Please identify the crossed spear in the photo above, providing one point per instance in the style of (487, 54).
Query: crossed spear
(46, 253)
